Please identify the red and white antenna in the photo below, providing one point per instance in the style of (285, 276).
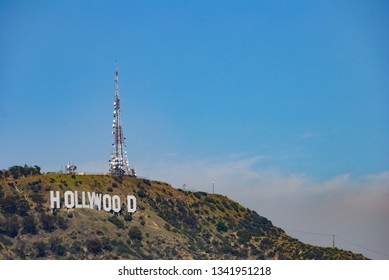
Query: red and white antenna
(118, 164)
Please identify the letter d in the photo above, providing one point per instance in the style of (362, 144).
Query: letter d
(131, 203)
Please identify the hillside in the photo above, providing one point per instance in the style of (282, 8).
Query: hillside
(168, 224)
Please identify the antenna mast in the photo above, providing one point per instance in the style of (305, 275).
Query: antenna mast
(118, 164)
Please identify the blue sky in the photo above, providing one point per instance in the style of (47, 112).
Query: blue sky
(275, 89)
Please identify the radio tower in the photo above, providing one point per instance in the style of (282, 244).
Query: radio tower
(118, 164)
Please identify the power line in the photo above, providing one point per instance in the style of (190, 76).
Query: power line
(364, 248)
(341, 238)
(311, 233)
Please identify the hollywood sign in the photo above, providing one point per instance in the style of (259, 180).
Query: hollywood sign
(91, 200)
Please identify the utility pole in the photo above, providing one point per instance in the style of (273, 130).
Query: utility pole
(213, 187)
(333, 241)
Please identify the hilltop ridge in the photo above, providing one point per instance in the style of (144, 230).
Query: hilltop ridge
(169, 224)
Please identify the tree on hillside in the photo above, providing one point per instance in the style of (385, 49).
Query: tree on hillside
(20, 171)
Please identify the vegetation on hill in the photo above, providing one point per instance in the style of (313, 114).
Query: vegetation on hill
(20, 171)
(169, 224)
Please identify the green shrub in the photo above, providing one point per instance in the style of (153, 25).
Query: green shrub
(220, 208)
(106, 244)
(195, 205)
(94, 246)
(244, 236)
(5, 240)
(226, 205)
(56, 246)
(200, 194)
(118, 179)
(36, 187)
(135, 234)
(116, 221)
(29, 226)
(221, 227)
(141, 194)
(190, 221)
(20, 249)
(48, 222)
(62, 222)
(37, 198)
(75, 248)
(40, 248)
(8, 205)
(10, 226)
(122, 248)
(147, 182)
(128, 217)
(22, 206)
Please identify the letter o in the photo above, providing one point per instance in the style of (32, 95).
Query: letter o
(107, 202)
(116, 203)
(69, 199)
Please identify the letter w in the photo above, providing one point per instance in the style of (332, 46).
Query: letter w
(94, 200)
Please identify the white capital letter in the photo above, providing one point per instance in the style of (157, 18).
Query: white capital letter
(131, 203)
(78, 205)
(116, 203)
(107, 203)
(94, 201)
(55, 199)
(69, 199)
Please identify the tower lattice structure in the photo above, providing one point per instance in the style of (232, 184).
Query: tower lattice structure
(118, 164)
